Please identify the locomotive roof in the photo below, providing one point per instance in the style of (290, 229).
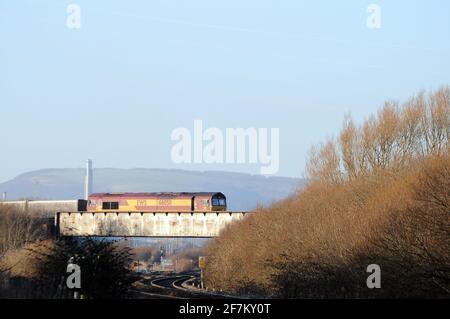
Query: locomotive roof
(157, 194)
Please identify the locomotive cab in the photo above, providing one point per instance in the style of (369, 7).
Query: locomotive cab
(219, 202)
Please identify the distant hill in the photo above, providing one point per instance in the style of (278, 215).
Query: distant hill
(244, 191)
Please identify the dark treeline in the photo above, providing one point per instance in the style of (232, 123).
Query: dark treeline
(378, 193)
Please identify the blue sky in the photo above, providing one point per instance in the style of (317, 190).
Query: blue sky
(115, 89)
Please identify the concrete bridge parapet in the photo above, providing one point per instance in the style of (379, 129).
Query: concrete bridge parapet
(144, 224)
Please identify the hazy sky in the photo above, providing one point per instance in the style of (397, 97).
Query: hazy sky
(116, 88)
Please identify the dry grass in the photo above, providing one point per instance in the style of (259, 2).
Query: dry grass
(24, 262)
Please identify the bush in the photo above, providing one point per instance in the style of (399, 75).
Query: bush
(105, 268)
(18, 228)
(378, 194)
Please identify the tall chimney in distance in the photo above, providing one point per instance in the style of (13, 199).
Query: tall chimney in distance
(88, 180)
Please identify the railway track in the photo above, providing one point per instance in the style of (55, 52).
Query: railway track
(171, 286)
(167, 286)
(171, 282)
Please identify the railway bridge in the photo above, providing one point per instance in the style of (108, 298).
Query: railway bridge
(144, 224)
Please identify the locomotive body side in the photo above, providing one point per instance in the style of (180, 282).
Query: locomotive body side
(156, 202)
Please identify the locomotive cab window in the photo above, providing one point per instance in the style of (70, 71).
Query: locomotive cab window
(110, 205)
(218, 202)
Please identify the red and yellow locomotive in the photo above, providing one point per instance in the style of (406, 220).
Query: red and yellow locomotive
(157, 202)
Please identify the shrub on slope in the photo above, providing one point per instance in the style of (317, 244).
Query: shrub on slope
(378, 194)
